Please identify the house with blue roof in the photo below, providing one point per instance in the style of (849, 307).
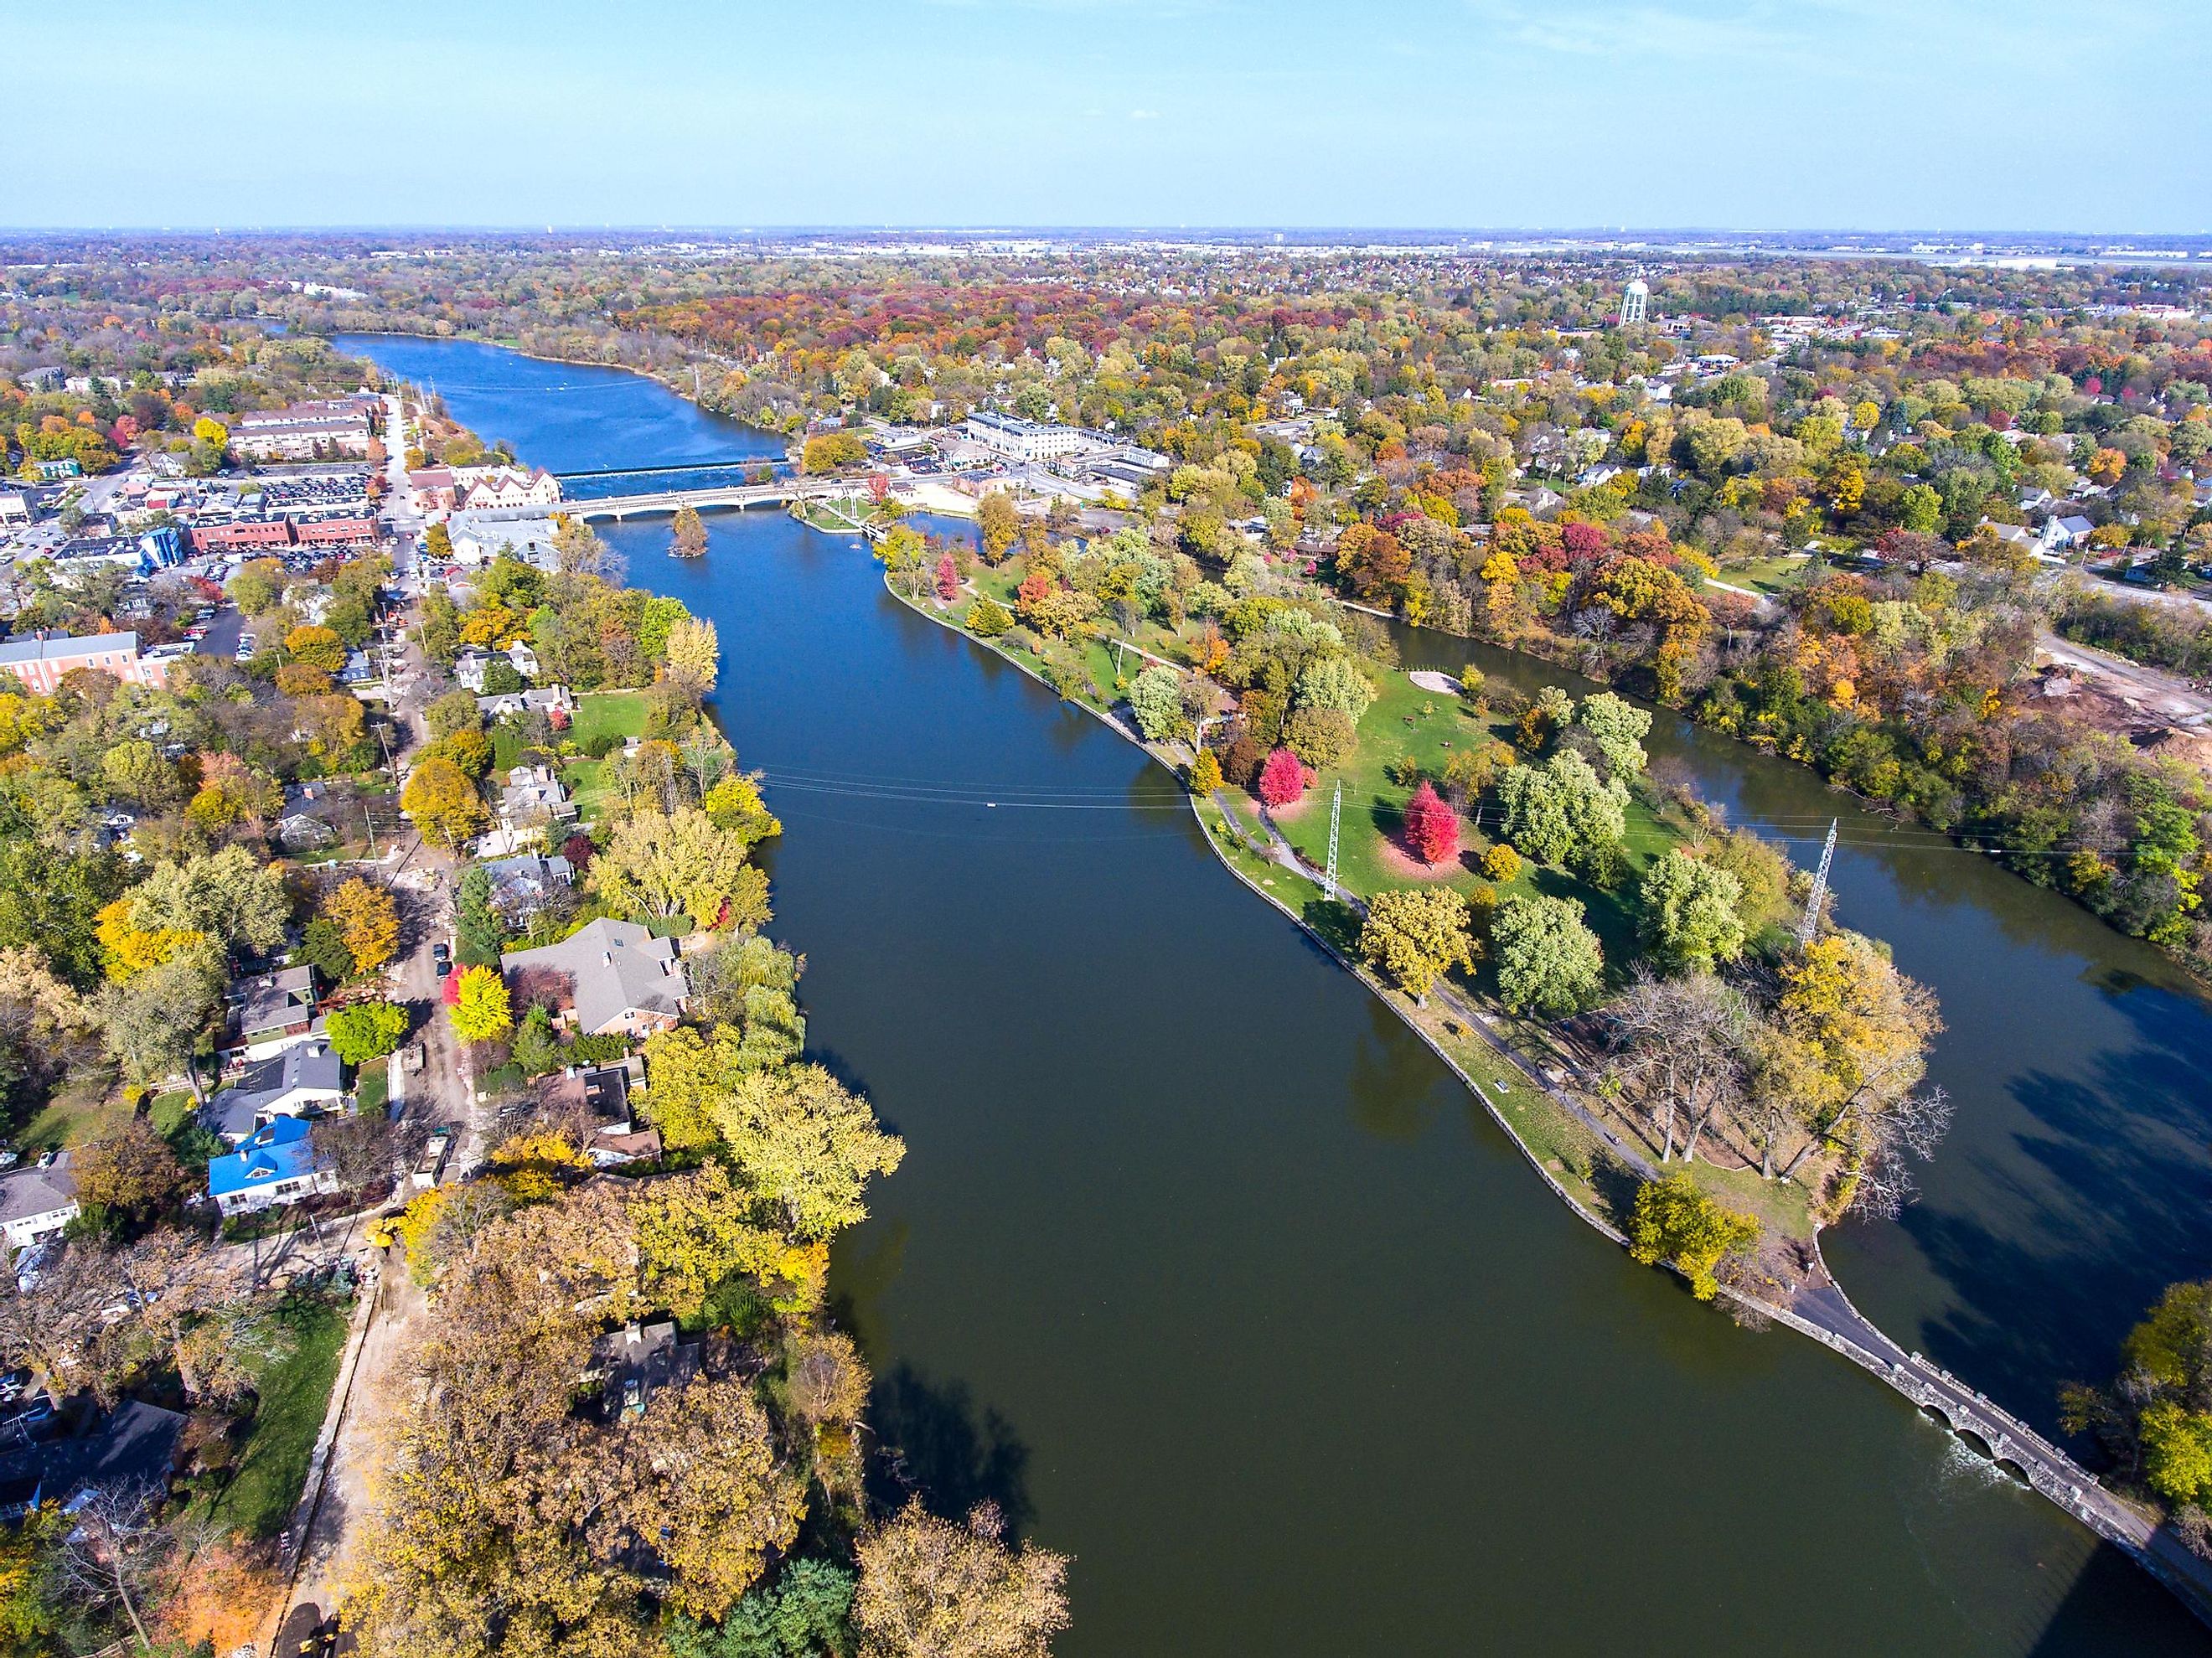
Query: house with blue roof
(275, 1165)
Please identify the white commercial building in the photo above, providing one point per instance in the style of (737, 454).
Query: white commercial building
(1023, 440)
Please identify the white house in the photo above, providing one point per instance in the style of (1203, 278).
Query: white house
(37, 1201)
(302, 1080)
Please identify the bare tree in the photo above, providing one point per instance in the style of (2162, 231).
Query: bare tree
(1909, 1131)
(55, 1326)
(112, 1548)
(1681, 1048)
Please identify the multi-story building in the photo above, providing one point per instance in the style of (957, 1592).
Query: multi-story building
(329, 429)
(1023, 440)
(39, 660)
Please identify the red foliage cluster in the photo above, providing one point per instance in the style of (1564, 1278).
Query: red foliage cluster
(1283, 779)
(948, 578)
(1432, 826)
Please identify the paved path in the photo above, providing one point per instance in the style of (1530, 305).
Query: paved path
(1819, 1308)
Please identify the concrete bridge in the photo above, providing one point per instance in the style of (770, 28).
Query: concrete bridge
(780, 492)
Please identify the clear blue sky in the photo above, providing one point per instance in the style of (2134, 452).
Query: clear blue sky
(1873, 114)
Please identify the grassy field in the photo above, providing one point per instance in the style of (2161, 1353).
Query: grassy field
(1408, 724)
(599, 714)
(295, 1391)
(88, 1106)
(1765, 575)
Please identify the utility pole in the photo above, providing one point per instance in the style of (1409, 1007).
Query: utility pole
(369, 823)
(1807, 927)
(1336, 815)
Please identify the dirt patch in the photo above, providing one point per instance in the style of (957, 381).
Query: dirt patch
(1406, 867)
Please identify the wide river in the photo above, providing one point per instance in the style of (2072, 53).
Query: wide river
(1211, 1275)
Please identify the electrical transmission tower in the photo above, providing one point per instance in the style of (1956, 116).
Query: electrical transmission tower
(1335, 814)
(1812, 921)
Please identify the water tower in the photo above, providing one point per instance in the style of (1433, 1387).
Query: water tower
(1633, 301)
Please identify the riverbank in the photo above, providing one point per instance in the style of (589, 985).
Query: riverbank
(1236, 1206)
(1592, 1168)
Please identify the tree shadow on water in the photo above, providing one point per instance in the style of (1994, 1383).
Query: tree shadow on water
(935, 1442)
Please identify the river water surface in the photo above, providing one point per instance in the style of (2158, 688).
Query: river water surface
(1209, 1274)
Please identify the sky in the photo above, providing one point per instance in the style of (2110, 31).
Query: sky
(1936, 115)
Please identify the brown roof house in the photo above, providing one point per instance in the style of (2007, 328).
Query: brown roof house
(620, 978)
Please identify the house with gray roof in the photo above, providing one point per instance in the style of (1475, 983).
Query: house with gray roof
(299, 1081)
(37, 1201)
(624, 981)
(270, 1010)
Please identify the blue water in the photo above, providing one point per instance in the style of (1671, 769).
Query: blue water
(1207, 1272)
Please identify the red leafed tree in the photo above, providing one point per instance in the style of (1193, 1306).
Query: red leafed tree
(948, 578)
(1432, 826)
(1283, 779)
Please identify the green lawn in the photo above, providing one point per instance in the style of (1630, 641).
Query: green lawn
(1765, 575)
(608, 713)
(88, 1106)
(372, 1086)
(1427, 727)
(170, 1112)
(295, 1393)
(599, 714)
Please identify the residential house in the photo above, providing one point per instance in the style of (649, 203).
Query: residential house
(521, 884)
(276, 1165)
(602, 1093)
(40, 659)
(534, 796)
(551, 700)
(270, 1011)
(634, 1364)
(2064, 533)
(623, 980)
(302, 1080)
(469, 670)
(37, 1201)
(134, 1449)
(525, 660)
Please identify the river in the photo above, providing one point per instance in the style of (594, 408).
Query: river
(1208, 1272)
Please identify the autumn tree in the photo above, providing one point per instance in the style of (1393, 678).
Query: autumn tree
(132, 1174)
(443, 802)
(665, 866)
(1205, 777)
(367, 921)
(694, 653)
(1282, 779)
(1673, 1222)
(1156, 698)
(1416, 936)
(806, 1144)
(317, 647)
(1432, 826)
(932, 1589)
(155, 1024)
(481, 1012)
(998, 526)
(690, 531)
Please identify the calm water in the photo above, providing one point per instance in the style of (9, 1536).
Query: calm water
(1205, 1268)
